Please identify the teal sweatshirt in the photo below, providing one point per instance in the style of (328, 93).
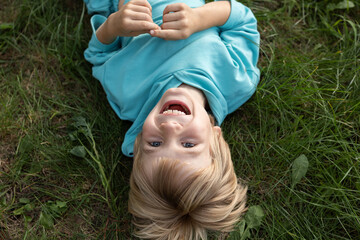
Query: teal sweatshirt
(136, 71)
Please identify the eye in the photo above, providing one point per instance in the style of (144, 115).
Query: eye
(188, 145)
(155, 144)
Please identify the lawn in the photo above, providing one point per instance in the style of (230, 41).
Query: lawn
(295, 143)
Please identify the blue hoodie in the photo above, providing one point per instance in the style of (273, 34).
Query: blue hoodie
(136, 71)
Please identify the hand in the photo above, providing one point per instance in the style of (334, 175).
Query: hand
(179, 22)
(132, 19)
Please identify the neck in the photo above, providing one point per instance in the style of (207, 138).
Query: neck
(196, 93)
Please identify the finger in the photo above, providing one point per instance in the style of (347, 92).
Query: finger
(169, 34)
(176, 25)
(173, 16)
(141, 9)
(144, 3)
(137, 33)
(175, 7)
(141, 26)
(140, 16)
(181, 24)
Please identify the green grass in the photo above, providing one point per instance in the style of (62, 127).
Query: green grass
(62, 174)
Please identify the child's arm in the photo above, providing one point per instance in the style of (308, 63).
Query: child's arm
(132, 19)
(180, 21)
(242, 39)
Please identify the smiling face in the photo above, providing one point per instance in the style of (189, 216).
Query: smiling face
(167, 195)
(179, 128)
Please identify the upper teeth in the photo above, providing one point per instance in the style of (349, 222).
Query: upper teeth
(173, 112)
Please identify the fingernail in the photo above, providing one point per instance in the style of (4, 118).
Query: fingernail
(152, 32)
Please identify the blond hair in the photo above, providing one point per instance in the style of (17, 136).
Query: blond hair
(209, 199)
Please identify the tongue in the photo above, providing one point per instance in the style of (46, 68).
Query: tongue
(176, 107)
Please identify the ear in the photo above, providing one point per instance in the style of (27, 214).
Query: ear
(217, 130)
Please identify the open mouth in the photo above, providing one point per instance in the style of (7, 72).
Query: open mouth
(175, 108)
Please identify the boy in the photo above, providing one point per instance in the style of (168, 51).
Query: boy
(183, 182)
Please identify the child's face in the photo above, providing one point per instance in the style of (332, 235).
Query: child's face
(178, 128)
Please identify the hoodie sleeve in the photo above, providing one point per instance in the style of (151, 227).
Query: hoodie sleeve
(102, 7)
(241, 38)
(98, 53)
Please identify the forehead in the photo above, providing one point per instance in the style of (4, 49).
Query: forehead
(196, 158)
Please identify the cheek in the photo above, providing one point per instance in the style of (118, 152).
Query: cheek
(203, 128)
(148, 125)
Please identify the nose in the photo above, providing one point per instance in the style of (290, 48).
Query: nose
(170, 126)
